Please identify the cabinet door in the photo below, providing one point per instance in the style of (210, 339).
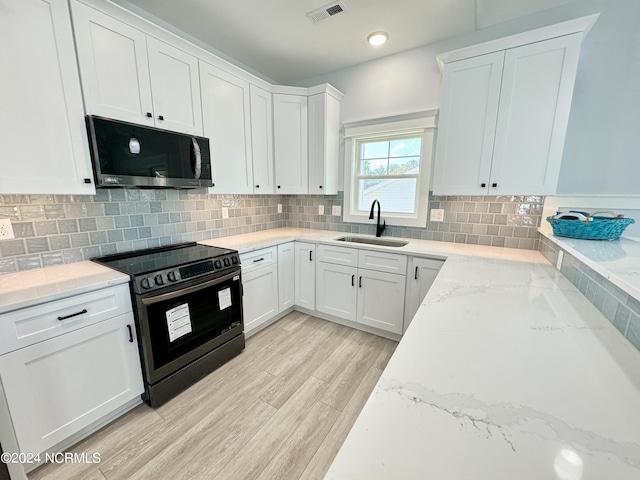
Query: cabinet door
(175, 88)
(113, 65)
(227, 124)
(421, 273)
(336, 290)
(290, 143)
(262, 139)
(42, 131)
(537, 87)
(467, 125)
(305, 275)
(57, 387)
(324, 144)
(260, 300)
(381, 300)
(286, 272)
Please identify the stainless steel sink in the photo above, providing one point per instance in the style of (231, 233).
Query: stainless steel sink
(373, 241)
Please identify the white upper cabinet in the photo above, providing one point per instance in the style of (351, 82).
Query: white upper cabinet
(175, 88)
(504, 113)
(262, 139)
(114, 66)
(290, 143)
(130, 76)
(44, 139)
(535, 100)
(324, 143)
(227, 123)
(467, 124)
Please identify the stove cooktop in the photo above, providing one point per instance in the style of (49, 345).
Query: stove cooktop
(151, 260)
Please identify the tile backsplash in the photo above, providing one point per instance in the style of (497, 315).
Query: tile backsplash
(57, 229)
(621, 309)
(502, 221)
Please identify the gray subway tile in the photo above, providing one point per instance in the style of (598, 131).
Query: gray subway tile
(37, 245)
(29, 262)
(87, 224)
(79, 240)
(46, 227)
(10, 248)
(68, 226)
(621, 319)
(59, 242)
(24, 229)
(98, 238)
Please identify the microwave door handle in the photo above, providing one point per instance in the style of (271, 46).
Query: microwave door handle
(185, 291)
(196, 152)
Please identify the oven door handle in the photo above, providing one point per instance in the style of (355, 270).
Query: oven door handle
(185, 291)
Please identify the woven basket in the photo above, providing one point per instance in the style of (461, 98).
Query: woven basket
(599, 226)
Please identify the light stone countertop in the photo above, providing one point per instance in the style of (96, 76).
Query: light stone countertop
(24, 289)
(506, 371)
(617, 260)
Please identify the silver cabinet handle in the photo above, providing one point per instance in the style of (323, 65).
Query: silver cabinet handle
(258, 260)
(416, 277)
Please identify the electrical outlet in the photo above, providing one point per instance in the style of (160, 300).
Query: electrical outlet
(6, 230)
(320, 209)
(437, 215)
(559, 261)
(336, 210)
(225, 212)
(279, 208)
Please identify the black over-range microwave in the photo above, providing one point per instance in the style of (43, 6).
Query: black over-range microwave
(129, 155)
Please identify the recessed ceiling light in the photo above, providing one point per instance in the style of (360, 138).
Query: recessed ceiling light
(377, 38)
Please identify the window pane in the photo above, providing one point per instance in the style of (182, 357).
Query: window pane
(394, 195)
(373, 167)
(405, 148)
(399, 166)
(375, 150)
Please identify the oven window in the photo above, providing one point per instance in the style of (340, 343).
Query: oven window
(179, 325)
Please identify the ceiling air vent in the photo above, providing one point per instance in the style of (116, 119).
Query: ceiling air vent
(325, 12)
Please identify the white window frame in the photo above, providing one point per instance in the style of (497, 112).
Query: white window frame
(418, 124)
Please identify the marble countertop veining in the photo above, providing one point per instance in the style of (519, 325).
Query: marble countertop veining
(617, 260)
(32, 287)
(506, 371)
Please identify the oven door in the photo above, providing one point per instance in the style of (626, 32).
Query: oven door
(179, 326)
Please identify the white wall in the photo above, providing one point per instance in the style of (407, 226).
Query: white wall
(602, 149)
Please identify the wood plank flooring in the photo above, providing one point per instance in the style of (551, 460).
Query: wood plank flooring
(280, 410)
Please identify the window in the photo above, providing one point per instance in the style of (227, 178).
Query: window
(389, 162)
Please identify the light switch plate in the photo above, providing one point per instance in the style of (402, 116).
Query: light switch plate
(279, 208)
(320, 209)
(6, 230)
(560, 258)
(336, 210)
(437, 215)
(225, 212)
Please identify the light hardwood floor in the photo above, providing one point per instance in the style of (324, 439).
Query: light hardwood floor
(280, 410)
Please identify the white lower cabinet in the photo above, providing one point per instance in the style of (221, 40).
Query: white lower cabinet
(260, 287)
(305, 275)
(55, 388)
(381, 300)
(286, 272)
(337, 293)
(363, 295)
(421, 272)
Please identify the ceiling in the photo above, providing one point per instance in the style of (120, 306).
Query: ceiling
(276, 39)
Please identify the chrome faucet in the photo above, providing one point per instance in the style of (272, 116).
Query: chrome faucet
(379, 228)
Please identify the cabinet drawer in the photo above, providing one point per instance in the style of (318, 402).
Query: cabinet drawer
(338, 255)
(258, 259)
(382, 261)
(30, 325)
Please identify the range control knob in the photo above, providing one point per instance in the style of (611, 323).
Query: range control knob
(159, 280)
(217, 264)
(226, 261)
(171, 276)
(144, 283)
(235, 260)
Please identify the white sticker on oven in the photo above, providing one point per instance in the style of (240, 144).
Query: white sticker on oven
(224, 297)
(178, 321)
